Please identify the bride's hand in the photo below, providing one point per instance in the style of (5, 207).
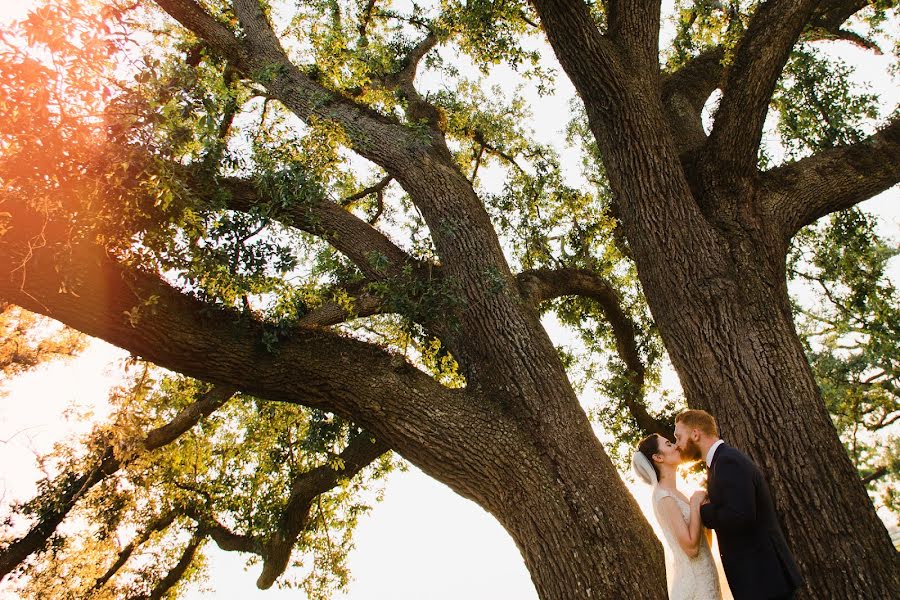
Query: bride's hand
(697, 498)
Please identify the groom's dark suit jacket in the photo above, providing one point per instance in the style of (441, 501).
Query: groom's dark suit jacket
(755, 555)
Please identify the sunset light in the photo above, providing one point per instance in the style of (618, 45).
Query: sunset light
(441, 300)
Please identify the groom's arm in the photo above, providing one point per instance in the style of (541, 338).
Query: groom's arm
(736, 506)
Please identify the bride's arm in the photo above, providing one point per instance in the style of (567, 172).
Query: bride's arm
(687, 534)
(697, 500)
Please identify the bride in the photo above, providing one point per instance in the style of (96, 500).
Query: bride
(690, 569)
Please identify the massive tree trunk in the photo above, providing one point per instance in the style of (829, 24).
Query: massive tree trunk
(709, 236)
(709, 245)
(733, 343)
(515, 441)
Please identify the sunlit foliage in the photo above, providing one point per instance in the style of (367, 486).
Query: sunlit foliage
(110, 113)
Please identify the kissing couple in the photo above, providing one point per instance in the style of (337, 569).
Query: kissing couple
(736, 503)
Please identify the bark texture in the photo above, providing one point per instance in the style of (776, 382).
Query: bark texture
(710, 248)
(708, 234)
(539, 469)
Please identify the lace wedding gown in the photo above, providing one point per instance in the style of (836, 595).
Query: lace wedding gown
(689, 578)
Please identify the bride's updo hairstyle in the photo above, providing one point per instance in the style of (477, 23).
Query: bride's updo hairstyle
(648, 447)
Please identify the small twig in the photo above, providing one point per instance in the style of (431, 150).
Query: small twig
(374, 189)
(478, 156)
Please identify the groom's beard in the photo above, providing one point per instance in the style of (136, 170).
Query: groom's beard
(691, 451)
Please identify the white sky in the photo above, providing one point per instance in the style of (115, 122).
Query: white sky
(423, 542)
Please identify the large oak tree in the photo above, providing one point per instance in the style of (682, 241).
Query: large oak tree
(161, 230)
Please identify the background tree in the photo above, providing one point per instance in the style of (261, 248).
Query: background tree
(28, 340)
(851, 340)
(209, 218)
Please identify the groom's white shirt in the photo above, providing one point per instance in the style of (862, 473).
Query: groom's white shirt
(712, 452)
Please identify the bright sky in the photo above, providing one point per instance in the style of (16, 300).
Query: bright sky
(423, 542)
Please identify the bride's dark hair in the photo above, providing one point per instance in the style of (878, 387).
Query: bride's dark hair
(648, 447)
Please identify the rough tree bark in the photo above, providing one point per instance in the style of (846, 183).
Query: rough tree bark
(473, 440)
(709, 237)
(709, 245)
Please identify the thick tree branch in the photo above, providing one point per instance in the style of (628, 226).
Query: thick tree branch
(588, 57)
(828, 23)
(258, 33)
(190, 14)
(259, 56)
(360, 452)
(223, 537)
(377, 257)
(332, 313)
(758, 62)
(369, 249)
(685, 92)
(804, 191)
(404, 77)
(544, 284)
(424, 421)
(189, 416)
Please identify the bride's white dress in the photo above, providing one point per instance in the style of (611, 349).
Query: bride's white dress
(688, 578)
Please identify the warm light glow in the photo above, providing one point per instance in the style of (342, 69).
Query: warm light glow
(423, 541)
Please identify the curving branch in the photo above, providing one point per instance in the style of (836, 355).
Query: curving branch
(177, 572)
(74, 486)
(259, 56)
(759, 59)
(369, 249)
(685, 92)
(275, 550)
(832, 180)
(159, 524)
(143, 314)
(404, 76)
(540, 285)
(402, 81)
(358, 454)
(828, 23)
(189, 416)
(377, 188)
(332, 313)
(223, 537)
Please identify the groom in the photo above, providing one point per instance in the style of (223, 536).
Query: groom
(754, 553)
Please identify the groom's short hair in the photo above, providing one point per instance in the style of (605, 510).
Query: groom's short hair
(699, 419)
